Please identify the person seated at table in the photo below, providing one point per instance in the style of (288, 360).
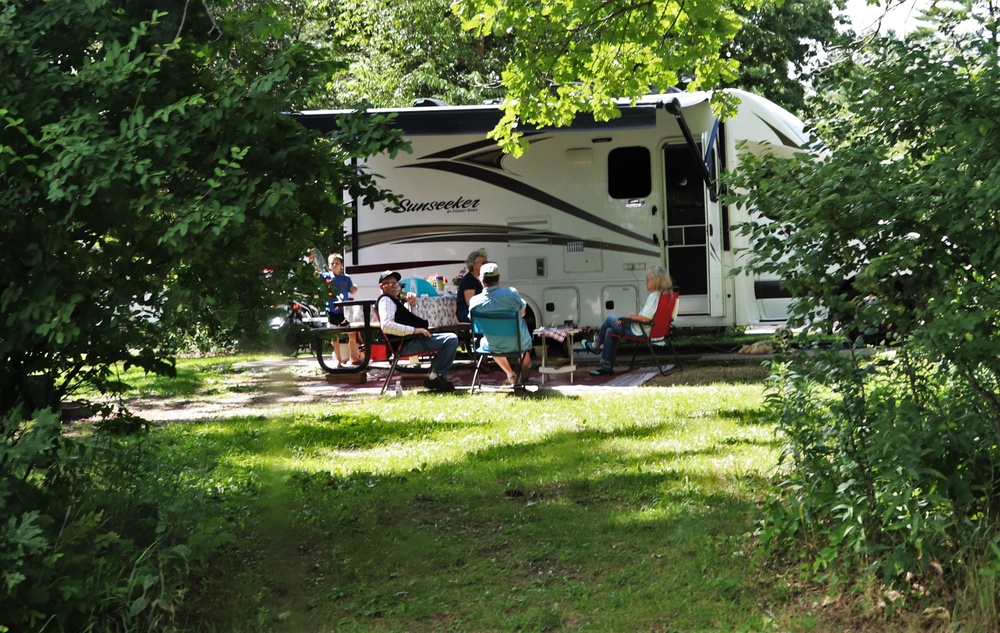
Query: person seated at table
(341, 289)
(495, 298)
(469, 285)
(397, 321)
(658, 282)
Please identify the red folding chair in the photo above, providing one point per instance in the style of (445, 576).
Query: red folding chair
(654, 334)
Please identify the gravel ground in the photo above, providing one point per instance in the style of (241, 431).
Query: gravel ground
(258, 388)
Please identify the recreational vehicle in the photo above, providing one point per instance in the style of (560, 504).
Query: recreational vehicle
(578, 218)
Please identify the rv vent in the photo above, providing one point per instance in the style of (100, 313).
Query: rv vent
(576, 246)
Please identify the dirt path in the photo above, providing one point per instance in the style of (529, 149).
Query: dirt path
(259, 388)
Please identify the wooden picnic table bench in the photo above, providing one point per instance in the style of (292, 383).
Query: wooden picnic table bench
(365, 327)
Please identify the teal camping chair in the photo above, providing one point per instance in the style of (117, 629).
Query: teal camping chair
(499, 335)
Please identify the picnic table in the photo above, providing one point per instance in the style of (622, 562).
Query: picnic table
(365, 327)
(358, 313)
(563, 335)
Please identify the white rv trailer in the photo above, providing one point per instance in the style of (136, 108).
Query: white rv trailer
(577, 219)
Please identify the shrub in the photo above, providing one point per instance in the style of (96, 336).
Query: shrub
(891, 467)
(87, 543)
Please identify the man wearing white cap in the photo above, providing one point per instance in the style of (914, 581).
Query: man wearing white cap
(493, 298)
(396, 321)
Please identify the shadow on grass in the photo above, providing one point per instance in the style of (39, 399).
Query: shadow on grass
(745, 417)
(244, 435)
(568, 531)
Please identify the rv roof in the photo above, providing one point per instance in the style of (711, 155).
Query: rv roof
(479, 119)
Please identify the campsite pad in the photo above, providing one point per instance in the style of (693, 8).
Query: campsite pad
(461, 376)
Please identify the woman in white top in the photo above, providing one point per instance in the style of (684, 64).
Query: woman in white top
(657, 282)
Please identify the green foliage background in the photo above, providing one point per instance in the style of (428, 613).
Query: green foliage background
(551, 60)
(147, 176)
(148, 172)
(888, 231)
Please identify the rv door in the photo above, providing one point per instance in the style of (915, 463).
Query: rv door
(715, 230)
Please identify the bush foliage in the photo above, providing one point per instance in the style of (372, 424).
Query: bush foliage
(149, 171)
(892, 464)
(96, 535)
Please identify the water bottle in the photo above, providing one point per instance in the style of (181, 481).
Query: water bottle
(399, 387)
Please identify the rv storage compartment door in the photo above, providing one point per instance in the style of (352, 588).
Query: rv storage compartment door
(620, 300)
(526, 268)
(773, 301)
(580, 259)
(560, 305)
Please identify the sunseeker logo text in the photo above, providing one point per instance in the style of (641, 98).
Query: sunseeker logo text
(458, 205)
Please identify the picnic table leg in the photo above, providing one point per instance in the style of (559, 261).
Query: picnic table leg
(569, 342)
(545, 357)
(318, 344)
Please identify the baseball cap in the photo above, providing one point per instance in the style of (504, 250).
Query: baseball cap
(389, 274)
(489, 270)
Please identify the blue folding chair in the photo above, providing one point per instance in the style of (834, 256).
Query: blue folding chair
(499, 335)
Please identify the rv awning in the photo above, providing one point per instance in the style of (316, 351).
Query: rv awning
(447, 120)
(444, 120)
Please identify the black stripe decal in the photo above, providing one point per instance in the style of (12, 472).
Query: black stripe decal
(770, 290)
(785, 139)
(526, 191)
(486, 234)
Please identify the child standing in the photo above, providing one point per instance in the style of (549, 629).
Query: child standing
(341, 289)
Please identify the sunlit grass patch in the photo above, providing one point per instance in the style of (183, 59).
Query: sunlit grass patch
(597, 511)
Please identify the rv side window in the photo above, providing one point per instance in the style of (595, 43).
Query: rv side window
(629, 173)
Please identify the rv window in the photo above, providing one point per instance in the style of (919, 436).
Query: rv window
(629, 173)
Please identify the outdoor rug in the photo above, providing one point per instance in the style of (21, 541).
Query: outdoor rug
(461, 376)
(633, 378)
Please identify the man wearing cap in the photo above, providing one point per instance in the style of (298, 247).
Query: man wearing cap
(493, 298)
(397, 321)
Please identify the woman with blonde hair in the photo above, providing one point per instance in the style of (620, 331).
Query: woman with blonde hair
(658, 282)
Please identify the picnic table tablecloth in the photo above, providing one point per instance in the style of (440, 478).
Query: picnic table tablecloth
(439, 311)
(555, 333)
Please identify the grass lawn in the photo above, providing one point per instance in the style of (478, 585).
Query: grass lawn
(614, 510)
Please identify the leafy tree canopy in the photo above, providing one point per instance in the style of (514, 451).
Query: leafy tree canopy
(147, 173)
(900, 204)
(578, 55)
(403, 51)
(400, 51)
(779, 45)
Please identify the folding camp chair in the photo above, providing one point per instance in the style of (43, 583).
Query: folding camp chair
(654, 334)
(393, 344)
(502, 330)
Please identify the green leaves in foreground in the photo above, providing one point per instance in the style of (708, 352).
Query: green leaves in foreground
(149, 171)
(579, 55)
